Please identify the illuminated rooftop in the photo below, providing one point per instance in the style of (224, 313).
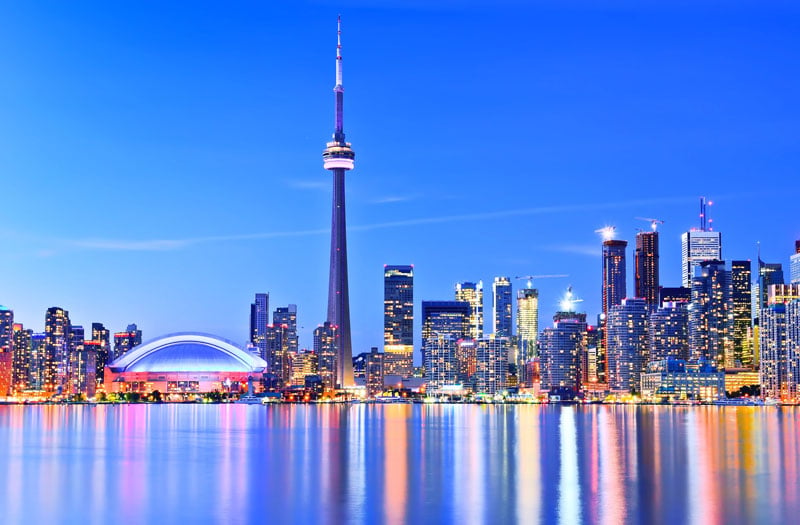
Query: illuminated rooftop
(188, 352)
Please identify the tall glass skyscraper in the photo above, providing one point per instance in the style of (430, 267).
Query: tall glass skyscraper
(614, 271)
(443, 319)
(56, 362)
(668, 332)
(472, 293)
(741, 296)
(711, 314)
(259, 319)
(528, 323)
(794, 264)
(6, 350)
(398, 320)
(562, 346)
(287, 316)
(502, 299)
(326, 338)
(646, 263)
(698, 246)
(627, 325)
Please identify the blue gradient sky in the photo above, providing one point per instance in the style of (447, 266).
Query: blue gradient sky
(162, 164)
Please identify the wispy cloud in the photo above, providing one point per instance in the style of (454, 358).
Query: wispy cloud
(175, 244)
(318, 185)
(579, 249)
(392, 199)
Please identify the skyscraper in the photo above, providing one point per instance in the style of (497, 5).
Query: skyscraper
(491, 364)
(528, 323)
(743, 354)
(41, 368)
(102, 337)
(768, 274)
(125, 341)
(646, 262)
(398, 320)
(696, 247)
(502, 298)
(21, 372)
(443, 319)
(794, 264)
(614, 270)
(259, 319)
(562, 346)
(711, 314)
(441, 361)
(338, 157)
(626, 327)
(325, 341)
(56, 364)
(779, 371)
(668, 332)
(277, 354)
(472, 294)
(6, 350)
(287, 316)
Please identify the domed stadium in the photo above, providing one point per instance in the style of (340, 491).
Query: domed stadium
(184, 363)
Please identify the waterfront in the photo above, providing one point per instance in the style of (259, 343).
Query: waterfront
(399, 464)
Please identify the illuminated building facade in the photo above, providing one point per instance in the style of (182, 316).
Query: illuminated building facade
(374, 371)
(398, 320)
(125, 341)
(23, 359)
(779, 335)
(677, 294)
(38, 364)
(668, 332)
(304, 364)
(711, 315)
(6, 350)
(528, 323)
(259, 320)
(614, 270)
(674, 378)
(502, 305)
(696, 247)
(101, 337)
(561, 349)
(646, 265)
(768, 274)
(466, 360)
(444, 319)
(278, 356)
(472, 294)
(627, 325)
(794, 264)
(184, 364)
(287, 316)
(326, 338)
(491, 353)
(441, 363)
(338, 158)
(83, 369)
(741, 295)
(56, 362)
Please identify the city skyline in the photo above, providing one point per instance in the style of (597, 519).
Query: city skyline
(145, 268)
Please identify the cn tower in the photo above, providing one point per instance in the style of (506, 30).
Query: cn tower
(338, 158)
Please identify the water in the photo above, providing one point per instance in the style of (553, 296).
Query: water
(399, 464)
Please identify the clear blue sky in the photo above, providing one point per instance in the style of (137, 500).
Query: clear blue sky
(162, 163)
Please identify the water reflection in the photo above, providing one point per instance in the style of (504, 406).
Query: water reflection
(399, 464)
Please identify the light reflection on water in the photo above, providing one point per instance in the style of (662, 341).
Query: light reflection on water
(399, 463)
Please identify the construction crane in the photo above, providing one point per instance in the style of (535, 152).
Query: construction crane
(568, 301)
(607, 232)
(653, 222)
(530, 278)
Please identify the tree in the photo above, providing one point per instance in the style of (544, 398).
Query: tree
(155, 396)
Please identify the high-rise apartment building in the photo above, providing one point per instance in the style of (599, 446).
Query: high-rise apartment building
(444, 319)
(561, 349)
(56, 363)
(768, 274)
(491, 358)
(441, 361)
(374, 372)
(711, 315)
(21, 370)
(125, 341)
(101, 337)
(779, 334)
(614, 270)
(287, 316)
(259, 320)
(304, 364)
(668, 332)
(741, 297)
(40, 366)
(528, 323)
(697, 247)
(326, 339)
(502, 304)
(627, 325)
(472, 293)
(82, 369)
(646, 263)
(398, 320)
(6, 350)
(278, 356)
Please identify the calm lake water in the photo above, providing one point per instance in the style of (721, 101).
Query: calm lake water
(399, 464)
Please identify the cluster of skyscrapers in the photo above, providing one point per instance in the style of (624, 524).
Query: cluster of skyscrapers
(62, 360)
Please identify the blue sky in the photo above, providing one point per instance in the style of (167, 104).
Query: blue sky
(162, 163)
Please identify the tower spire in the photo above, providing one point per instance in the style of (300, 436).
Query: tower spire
(339, 88)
